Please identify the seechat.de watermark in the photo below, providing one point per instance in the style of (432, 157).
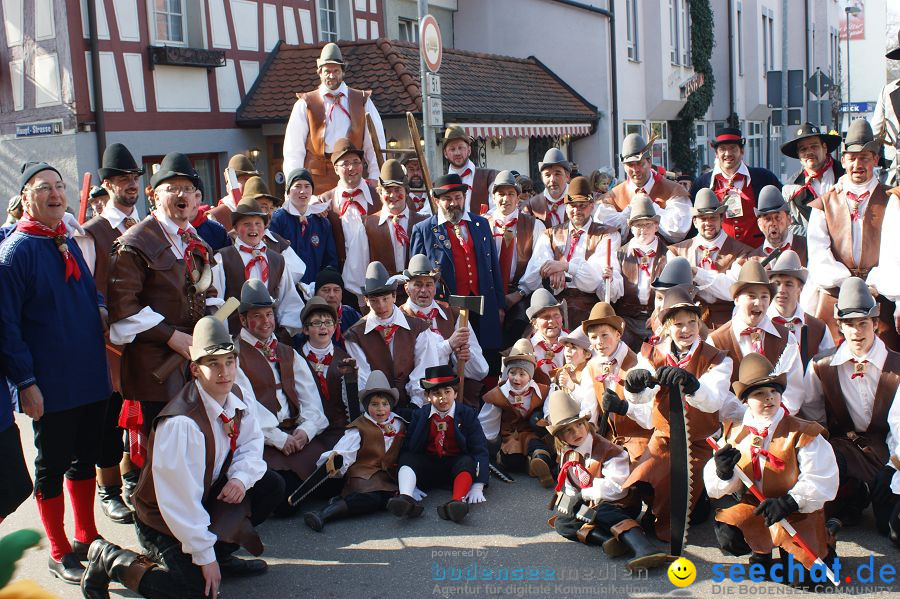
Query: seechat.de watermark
(866, 573)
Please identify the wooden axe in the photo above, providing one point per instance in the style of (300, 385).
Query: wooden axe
(466, 304)
(175, 360)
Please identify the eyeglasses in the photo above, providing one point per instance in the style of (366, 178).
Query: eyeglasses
(178, 190)
(45, 188)
(320, 324)
(350, 165)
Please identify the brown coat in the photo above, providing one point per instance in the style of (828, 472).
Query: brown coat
(144, 272)
(537, 207)
(798, 244)
(317, 161)
(515, 428)
(233, 267)
(662, 190)
(481, 183)
(334, 217)
(374, 469)
(724, 339)
(381, 248)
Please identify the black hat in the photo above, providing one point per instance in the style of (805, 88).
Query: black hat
(97, 192)
(117, 160)
(728, 135)
(439, 376)
(447, 183)
(299, 173)
(329, 275)
(174, 164)
(894, 54)
(30, 169)
(806, 131)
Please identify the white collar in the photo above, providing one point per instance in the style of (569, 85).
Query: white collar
(170, 227)
(788, 239)
(451, 412)
(413, 307)
(667, 347)
(312, 208)
(390, 420)
(386, 214)
(252, 341)
(738, 326)
(115, 216)
(212, 407)
(238, 243)
(506, 388)
(633, 245)
(551, 201)
(758, 424)
(772, 312)
(877, 354)
(443, 219)
(342, 89)
(499, 219)
(719, 241)
(538, 338)
(468, 165)
(320, 353)
(717, 170)
(868, 186)
(618, 355)
(397, 317)
(647, 186)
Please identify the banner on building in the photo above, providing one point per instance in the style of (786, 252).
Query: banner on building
(855, 18)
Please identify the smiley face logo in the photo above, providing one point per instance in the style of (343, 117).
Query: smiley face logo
(682, 572)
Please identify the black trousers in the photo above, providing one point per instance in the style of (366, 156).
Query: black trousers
(111, 443)
(15, 482)
(149, 411)
(367, 503)
(180, 577)
(608, 515)
(432, 471)
(517, 462)
(68, 444)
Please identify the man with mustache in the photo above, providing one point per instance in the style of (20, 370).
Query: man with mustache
(457, 150)
(549, 205)
(773, 217)
(817, 176)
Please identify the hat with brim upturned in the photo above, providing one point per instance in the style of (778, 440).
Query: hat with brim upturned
(174, 164)
(331, 54)
(342, 147)
(117, 160)
(520, 355)
(788, 264)
(447, 183)
(317, 304)
(603, 313)
(255, 188)
(808, 131)
(707, 203)
(210, 338)
(255, 294)
(541, 300)
(242, 165)
(675, 299)
(439, 376)
(392, 174)
(634, 148)
(860, 138)
(377, 281)
(377, 384)
(855, 300)
(552, 157)
(752, 273)
(642, 208)
(754, 373)
(453, 132)
(246, 208)
(563, 411)
(421, 266)
(577, 337)
(770, 200)
(579, 190)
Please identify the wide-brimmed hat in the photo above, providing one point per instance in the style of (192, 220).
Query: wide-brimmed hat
(576, 337)
(563, 410)
(421, 266)
(894, 53)
(541, 300)
(318, 304)
(439, 376)
(248, 206)
(603, 313)
(860, 138)
(678, 298)
(174, 164)
(117, 160)
(788, 263)
(392, 173)
(806, 131)
(579, 190)
(255, 294)
(447, 183)
(377, 383)
(770, 200)
(256, 188)
(642, 208)
(331, 54)
(456, 132)
(728, 135)
(635, 148)
(706, 202)
(508, 179)
(855, 300)
(755, 371)
(242, 165)
(378, 281)
(520, 355)
(676, 272)
(752, 273)
(210, 338)
(552, 157)
(342, 147)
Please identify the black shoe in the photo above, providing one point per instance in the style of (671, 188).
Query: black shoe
(95, 580)
(646, 556)
(68, 569)
(129, 483)
(454, 510)
(612, 546)
(763, 559)
(235, 567)
(404, 506)
(80, 550)
(334, 509)
(113, 506)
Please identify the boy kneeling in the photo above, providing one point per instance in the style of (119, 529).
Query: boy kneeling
(203, 489)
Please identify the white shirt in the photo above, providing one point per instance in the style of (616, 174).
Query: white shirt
(584, 392)
(116, 219)
(884, 277)
(336, 127)
(821, 185)
(348, 446)
(468, 180)
(476, 365)
(289, 306)
(816, 484)
(556, 209)
(674, 220)
(400, 250)
(885, 117)
(644, 279)
(894, 446)
(321, 354)
(713, 285)
(311, 419)
(292, 262)
(788, 239)
(497, 220)
(179, 465)
(355, 238)
(827, 340)
(603, 488)
(793, 396)
(490, 415)
(425, 352)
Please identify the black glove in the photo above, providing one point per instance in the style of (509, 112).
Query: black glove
(776, 509)
(726, 458)
(672, 375)
(637, 380)
(881, 490)
(612, 404)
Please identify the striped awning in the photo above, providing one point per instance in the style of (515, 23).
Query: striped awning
(488, 130)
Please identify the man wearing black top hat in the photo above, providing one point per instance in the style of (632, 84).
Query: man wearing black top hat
(736, 185)
(887, 109)
(818, 174)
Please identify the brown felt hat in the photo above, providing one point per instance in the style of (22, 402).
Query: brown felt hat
(456, 132)
(678, 298)
(242, 165)
(318, 304)
(603, 313)
(392, 173)
(248, 206)
(342, 147)
(579, 191)
(256, 188)
(752, 273)
(563, 410)
(756, 371)
(331, 54)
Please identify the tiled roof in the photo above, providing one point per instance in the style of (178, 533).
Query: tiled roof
(475, 87)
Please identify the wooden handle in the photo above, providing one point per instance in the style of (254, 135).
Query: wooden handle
(376, 143)
(417, 146)
(461, 364)
(168, 367)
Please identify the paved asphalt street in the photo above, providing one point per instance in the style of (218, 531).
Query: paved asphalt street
(379, 556)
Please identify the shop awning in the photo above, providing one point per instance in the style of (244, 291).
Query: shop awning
(488, 130)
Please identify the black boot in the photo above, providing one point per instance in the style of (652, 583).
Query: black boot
(336, 508)
(404, 506)
(113, 506)
(108, 563)
(129, 482)
(612, 546)
(454, 510)
(646, 556)
(763, 559)
(236, 567)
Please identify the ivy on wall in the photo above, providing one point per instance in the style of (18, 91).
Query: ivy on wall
(682, 130)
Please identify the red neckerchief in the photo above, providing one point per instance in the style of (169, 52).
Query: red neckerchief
(27, 224)
(465, 173)
(387, 332)
(349, 201)
(577, 473)
(337, 328)
(769, 250)
(682, 363)
(201, 215)
(552, 205)
(829, 162)
(303, 222)
(555, 348)
(859, 368)
(723, 185)
(431, 318)
(319, 369)
(706, 258)
(132, 419)
(773, 461)
(231, 429)
(268, 350)
(642, 264)
(387, 429)
(756, 338)
(258, 257)
(399, 232)
(856, 199)
(504, 228)
(789, 324)
(191, 244)
(576, 235)
(335, 98)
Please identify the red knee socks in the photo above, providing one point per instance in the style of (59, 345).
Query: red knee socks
(52, 513)
(81, 494)
(461, 485)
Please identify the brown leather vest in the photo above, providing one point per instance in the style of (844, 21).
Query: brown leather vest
(372, 459)
(662, 190)
(445, 326)
(725, 340)
(559, 239)
(335, 409)
(798, 244)
(601, 450)
(731, 250)
(229, 522)
(630, 304)
(233, 268)
(334, 217)
(701, 424)
(104, 236)
(510, 419)
(481, 182)
(256, 367)
(837, 219)
(396, 367)
(620, 426)
(381, 248)
(222, 215)
(316, 162)
(524, 234)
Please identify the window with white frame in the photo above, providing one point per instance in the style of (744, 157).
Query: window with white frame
(631, 28)
(753, 153)
(685, 33)
(629, 127)
(674, 38)
(409, 30)
(168, 22)
(660, 152)
(328, 21)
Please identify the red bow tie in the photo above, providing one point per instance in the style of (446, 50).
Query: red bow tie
(387, 332)
(788, 324)
(857, 200)
(349, 201)
(769, 250)
(387, 429)
(336, 103)
(231, 429)
(859, 368)
(430, 318)
(644, 264)
(399, 232)
(756, 338)
(607, 374)
(577, 474)
(723, 185)
(258, 257)
(268, 350)
(28, 225)
(682, 363)
(773, 461)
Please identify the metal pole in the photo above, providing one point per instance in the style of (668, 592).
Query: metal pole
(849, 116)
(819, 97)
(435, 167)
(784, 86)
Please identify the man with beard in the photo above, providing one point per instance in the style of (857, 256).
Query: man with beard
(818, 174)
(549, 205)
(323, 116)
(773, 219)
(418, 195)
(461, 245)
(119, 175)
(457, 150)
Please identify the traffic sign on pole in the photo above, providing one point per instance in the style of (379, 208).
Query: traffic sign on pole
(430, 43)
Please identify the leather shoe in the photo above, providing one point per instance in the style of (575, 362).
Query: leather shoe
(454, 510)
(80, 550)
(113, 505)
(235, 567)
(68, 569)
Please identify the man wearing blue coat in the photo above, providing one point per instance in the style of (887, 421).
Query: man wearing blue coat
(461, 245)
